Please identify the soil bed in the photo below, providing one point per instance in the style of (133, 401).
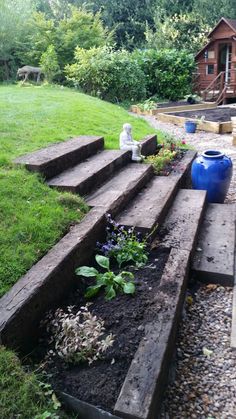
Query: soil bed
(125, 317)
(214, 115)
(172, 165)
(179, 103)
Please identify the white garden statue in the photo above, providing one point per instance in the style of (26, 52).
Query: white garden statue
(127, 143)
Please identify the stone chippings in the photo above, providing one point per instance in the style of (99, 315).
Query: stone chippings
(203, 386)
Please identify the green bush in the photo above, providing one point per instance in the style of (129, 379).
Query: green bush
(49, 63)
(109, 74)
(168, 72)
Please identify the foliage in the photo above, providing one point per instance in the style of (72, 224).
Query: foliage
(21, 393)
(180, 31)
(147, 105)
(168, 151)
(32, 216)
(13, 14)
(123, 245)
(80, 29)
(168, 72)
(160, 160)
(40, 32)
(109, 74)
(112, 282)
(76, 337)
(49, 63)
(126, 18)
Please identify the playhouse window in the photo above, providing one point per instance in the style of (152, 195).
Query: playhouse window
(211, 54)
(210, 69)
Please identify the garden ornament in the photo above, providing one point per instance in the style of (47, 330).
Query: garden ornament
(127, 143)
(27, 70)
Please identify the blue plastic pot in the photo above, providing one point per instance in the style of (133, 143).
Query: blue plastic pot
(190, 127)
(212, 171)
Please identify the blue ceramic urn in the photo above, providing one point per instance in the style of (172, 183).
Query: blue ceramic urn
(212, 171)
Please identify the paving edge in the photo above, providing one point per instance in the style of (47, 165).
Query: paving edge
(47, 282)
(142, 391)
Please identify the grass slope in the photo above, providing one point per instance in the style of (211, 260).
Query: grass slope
(32, 216)
(21, 394)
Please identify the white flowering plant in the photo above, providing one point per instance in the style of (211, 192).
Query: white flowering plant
(76, 337)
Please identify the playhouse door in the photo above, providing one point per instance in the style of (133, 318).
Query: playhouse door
(224, 61)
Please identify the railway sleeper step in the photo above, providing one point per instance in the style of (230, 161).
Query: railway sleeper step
(91, 173)
(117, 192)
(52, 160)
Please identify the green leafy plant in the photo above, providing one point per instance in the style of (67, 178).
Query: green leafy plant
(147, 105)
(161, 159)
(112, 282)
(124, 245)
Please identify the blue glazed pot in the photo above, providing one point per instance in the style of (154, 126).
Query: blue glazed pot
(190, 127)
(212, 171)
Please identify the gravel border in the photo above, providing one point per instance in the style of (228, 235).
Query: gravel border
(202, 381)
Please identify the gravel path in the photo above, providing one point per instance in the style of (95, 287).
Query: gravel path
(205, 372)
(202, 141)
(203, 377)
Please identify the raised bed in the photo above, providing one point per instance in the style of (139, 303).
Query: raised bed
(173, 107)
(129, 381)
(216, 120)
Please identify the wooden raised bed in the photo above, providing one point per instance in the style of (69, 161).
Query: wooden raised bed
(153, 112)
(209, 126)
(141, 393)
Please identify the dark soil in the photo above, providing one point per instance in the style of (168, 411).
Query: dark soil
(125, 317)
(173, 165)
(215, 115)
(179, 103)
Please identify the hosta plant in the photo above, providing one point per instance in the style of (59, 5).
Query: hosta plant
(76, 337)
(111, 282)
(123, 245)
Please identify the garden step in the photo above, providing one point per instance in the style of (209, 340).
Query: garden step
(214, 257)
(118, 191)
(52, 160)
(89, 174)
(151, 204)
(183, 220)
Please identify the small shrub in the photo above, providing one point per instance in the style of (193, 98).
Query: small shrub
(124, 245)
(160, 160)
(77, 337)
(49, 63)
(112, 282)
(109, 74)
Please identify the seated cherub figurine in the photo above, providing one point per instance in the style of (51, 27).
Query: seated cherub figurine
(127, 143)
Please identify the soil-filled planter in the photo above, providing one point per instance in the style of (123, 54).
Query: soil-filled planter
(135, 321)
(125, 317)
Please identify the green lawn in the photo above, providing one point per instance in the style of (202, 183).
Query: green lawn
(32, 216)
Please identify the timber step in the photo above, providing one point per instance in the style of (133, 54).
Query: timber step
(92, 172)
(52, 160)
(214, 258)
(150, 206)
(118, 191)
(183, 220)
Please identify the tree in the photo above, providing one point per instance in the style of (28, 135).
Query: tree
(49, 63)
(13, 17)
(183, 31)
(80, 29)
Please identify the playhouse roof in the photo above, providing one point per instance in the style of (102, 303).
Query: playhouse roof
(230, 22)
